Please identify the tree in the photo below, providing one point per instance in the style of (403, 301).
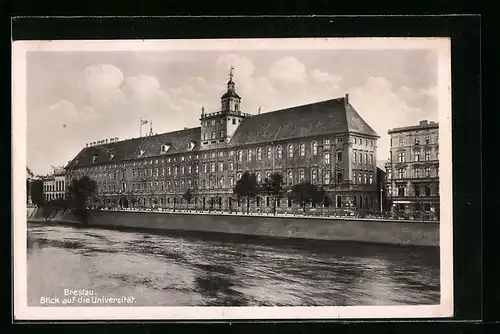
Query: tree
(188, 195)
(36, 190)
(80, 191)
(273, 187)
(247, 187)
(306, 193)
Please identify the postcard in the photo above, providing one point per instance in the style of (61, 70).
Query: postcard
(226, 179)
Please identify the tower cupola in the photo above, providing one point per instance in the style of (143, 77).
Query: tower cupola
(230, 101)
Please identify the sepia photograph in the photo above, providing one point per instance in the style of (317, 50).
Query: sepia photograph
(232, 179)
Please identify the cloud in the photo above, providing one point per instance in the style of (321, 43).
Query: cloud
(288, 69)
(142, 86)
(103, 84)
(384, 107)
(243, 67)
(327, 80)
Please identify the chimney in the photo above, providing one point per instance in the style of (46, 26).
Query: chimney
(185, 128)
(87, 145)
(424, 122)
(346, 98)
(106, 140)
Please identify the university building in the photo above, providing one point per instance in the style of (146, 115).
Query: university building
(326, 143)
(54, 185)
(413, 168)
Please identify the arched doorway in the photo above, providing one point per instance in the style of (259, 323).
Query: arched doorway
(220, 202)
(123, 202)
(230, 202)
(204, 203)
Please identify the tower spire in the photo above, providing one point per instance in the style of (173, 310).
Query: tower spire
(150, 128)
(231, 73)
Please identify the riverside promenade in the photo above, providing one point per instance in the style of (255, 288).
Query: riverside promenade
(387, 231)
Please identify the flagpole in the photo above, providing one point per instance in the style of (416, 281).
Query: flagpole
(140, 128)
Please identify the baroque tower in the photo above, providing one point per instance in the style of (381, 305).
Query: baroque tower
(217, 128)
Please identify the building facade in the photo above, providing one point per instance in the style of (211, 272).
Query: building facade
(326, 143)
(54, 185)
(413, 169)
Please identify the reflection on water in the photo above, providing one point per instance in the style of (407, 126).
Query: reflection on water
(168, 270)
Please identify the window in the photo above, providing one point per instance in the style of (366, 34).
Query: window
(279, 150)
(212, 136)
(366, 142)
(259, 154)
(259, 178)
(417, 141)
(314, 175)
(427, 172)
(268, 175)
(401, 156)
(249, 155)
(339, 177)
(401, 141)
(182, 170)
(221, 181)
(231, 181)
(302, 149)
(182, 158)
(290, 177)
(212, 167)
(338, 201)
(427, 140)
(213, 122)
(205, 136)
(416, 155)
(326, 158)
(327, 143)
(416, 172)
(196, 169)
(221, 166)
(360, 177)
(301, 175)
(355, 140)
(365, 160)
(221, 133)
(339, 156)
(239, 176)
(371, 178)
(314, 148)
(240, 155)
(354, 155)
(269, 152)
(417, 190)
(327, 177)
(371, 158)
(401, 190)
(234, 121)
(189, 169)
(401, 173)
(354, 177)
(290, 150)
(236, 107)
(427, 155)
(204, 168)
(427, 191)
(230, 166)
(366, 178)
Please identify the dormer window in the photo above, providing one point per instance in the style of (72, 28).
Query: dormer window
(111, 156)
(191, 145)
(165, 148)
(141, 152)
(94, 158)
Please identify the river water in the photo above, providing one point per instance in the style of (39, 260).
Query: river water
(179, 270)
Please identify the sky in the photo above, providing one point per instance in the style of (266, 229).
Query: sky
(82, 96)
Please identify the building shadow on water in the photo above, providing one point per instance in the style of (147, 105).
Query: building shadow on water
(216, 284)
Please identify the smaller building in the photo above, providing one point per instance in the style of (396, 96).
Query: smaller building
(413, 170)
(54, 185)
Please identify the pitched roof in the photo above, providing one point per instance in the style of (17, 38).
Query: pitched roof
(131, 148)
(326, 117)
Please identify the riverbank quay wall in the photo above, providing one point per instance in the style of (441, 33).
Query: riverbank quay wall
(314, 228)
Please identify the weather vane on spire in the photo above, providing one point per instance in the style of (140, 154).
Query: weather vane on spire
(231, 73)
